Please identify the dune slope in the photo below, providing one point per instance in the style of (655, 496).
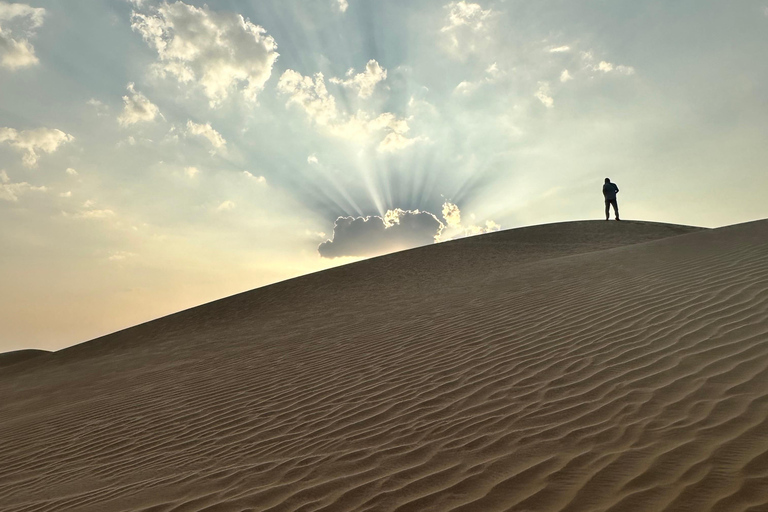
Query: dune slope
(573, 367)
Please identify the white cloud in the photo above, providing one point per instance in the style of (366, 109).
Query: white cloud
(311, 94)
(560, 49)
(543, 95)
(466, 28)
(18, 22)
(452, 215)
(565, 76)
(191, 172)
(226, 206)
(455, 229)
(312, 159)
(605, 67)
(625, 70)
(92, 213)
(364, 83)
(71, 171)
(220, 51)
(101, 108)
(465, 14)
(120, 255)
(313, 97)
(11, 191)
(257, 179)
(32, 142)
(342, 5)
(466, 88)
(137, 108)
(207, 131)
(68, 193)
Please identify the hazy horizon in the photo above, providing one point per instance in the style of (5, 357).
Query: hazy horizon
(159, 155)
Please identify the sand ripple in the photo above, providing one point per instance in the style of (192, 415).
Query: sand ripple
(572, 377)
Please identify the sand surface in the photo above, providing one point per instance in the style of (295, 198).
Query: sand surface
(586, 366)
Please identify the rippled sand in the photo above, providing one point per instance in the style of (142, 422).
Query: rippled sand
(585, 366)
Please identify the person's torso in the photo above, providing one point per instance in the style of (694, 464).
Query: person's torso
(609, 190)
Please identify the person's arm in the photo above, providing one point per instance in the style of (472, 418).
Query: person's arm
(616, 187)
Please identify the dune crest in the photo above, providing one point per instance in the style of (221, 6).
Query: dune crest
(584, 366)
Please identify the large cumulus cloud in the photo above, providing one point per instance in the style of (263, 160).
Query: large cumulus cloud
(374, 235)
(397, 230)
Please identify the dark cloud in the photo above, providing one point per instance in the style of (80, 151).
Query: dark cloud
(371, 236)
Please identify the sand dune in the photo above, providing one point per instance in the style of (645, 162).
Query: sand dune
(586, 366)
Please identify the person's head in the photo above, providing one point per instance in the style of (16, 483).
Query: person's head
(607, 180)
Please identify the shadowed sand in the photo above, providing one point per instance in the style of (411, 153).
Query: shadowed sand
(17, 356)
(584, 366)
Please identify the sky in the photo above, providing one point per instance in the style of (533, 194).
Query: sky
(159, 155)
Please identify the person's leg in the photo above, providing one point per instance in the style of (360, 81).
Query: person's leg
(615, 203)
(607, 209)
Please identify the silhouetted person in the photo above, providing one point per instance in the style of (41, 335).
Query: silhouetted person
(609, 192)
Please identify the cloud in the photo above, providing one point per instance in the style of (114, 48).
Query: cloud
(466, 27)
(565, 76)
(18, 22)
(543, 95)
(101, 108)
(454, 227)
(364, 83)
(312, 159)
(207, 131)
(32, 142)
(257, 179)
(71, 171)
(398, 229)
(226, 206)
(11, 191)
(313, 97)
(68, 193)
(191, 172)
(465, 14)
(120, 255)
(92, 214)
(342, 5)
(137, 108)
(223, 52)
(452, 215)
(560, 49)
(605, 66)
(467, 88)
(370, 236)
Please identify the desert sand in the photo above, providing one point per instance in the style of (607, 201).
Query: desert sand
(583, 366)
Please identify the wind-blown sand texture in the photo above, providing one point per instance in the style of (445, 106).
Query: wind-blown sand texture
(585, 366)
